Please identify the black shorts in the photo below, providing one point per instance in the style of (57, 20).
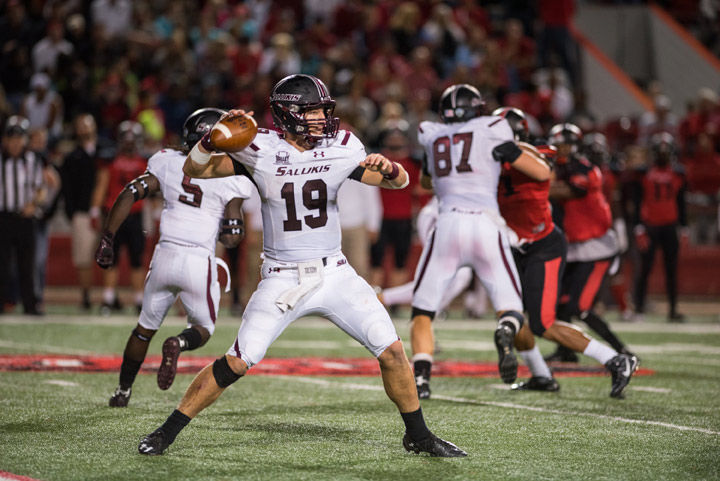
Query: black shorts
(580, 285)
(397, 232)
(541, 266)
(131, 234)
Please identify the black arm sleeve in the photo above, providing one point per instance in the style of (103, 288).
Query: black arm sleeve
(357, 173)
(506, 152)
(242, 170)
(424, 166)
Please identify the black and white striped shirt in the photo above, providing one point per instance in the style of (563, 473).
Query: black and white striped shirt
(20, 179)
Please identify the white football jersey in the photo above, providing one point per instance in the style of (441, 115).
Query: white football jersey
(299, 192)
(459, 159)
(193, 208)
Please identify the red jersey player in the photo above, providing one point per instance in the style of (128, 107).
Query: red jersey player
(661, 208)
(580, 207)
(540, 258)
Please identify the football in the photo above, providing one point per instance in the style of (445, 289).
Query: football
(233, 134)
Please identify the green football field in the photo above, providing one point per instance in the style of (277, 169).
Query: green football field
(55, 425)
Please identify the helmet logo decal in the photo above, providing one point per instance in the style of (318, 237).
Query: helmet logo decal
(287, 97)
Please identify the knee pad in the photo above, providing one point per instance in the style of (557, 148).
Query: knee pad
(224, 376)
(514, 318)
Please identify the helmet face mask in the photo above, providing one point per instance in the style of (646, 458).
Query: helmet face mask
(460, 103)
(517, 120)
(296, 95)
(662, 147)
(198, 124)
(566, 134)
(130, 136)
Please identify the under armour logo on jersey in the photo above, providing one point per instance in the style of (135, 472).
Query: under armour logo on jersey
(319, 153)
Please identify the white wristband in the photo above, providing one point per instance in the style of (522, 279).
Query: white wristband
(200, 158)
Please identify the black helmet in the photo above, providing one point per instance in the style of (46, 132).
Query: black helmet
(595, 148)
(296, 94)
(198, 124)
(16, 125)
(516, 119)
(663, 148)
(461, 102)
(566, 133)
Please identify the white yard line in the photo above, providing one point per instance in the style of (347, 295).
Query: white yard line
(60, 382)
(367, 387)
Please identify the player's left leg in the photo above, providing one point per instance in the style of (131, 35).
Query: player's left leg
(495, 267)
(357, 311)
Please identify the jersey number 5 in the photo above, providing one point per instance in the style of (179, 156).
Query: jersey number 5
(314, 197)
(193, 189)
(441, 154)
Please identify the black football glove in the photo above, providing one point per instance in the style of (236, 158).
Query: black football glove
(105, 254)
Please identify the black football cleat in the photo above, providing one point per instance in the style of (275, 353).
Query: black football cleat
(537, 383)
(507, 362)
(168, 364)
(434, 446)
(621, 368)
(154, 444)
(120, 398)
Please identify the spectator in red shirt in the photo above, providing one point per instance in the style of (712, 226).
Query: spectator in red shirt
(111, 180)
(660, 210)
(519, 54)
(396, 228)
(555, 38)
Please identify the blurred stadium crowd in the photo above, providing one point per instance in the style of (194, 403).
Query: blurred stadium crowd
(385, 61)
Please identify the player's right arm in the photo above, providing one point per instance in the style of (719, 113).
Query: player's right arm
(137, 189)
(522, 158)
(205, 162)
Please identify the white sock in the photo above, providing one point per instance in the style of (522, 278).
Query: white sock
(422, 356)
(535, 362)
(398, 295)
(108, 295)
(599, 351)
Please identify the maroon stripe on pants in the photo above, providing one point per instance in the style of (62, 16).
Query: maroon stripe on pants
(237, 348)
(425, 264)
(211, 304)
(507, 266)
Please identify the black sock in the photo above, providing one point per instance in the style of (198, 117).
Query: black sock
(602, 329)
(174, 424)
(422, 368)
(190, 339)
(128, 371)
(415, 425)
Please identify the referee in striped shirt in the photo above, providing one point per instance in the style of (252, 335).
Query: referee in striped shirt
(21, 194)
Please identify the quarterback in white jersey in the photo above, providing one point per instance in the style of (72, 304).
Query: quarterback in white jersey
(298, 173)
(463, 168)
(195, 213)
